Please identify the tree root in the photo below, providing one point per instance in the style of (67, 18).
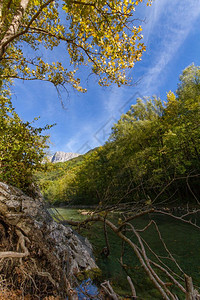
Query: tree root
(20, 244)
(38, 256)
(48, 275)
(27, 267)
(12, 254)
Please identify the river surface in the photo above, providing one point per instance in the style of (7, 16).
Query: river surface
(182, 240)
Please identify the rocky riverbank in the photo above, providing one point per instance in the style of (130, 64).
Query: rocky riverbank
(39, 255)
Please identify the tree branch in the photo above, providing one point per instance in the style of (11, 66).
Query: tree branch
(11, 33)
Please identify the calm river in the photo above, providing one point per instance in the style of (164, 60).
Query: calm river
(182, 240)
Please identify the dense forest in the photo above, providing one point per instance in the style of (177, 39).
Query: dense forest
(152, 155)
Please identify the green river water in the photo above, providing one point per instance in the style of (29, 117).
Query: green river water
(182, 240)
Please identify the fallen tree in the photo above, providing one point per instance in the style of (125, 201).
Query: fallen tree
(38, 256)
(159, 272)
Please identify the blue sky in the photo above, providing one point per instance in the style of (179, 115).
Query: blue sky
(172, 36)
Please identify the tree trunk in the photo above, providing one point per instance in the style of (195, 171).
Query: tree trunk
(14, 26)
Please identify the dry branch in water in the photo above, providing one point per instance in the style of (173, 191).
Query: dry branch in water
(134, 296)
(109, 290)
(152, 268)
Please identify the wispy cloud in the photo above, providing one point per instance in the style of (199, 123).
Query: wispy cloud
(113, 101)
(153, 15)
(166, 28)
(178, 19)
(82, 141)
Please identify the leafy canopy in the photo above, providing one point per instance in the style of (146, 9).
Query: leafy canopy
(95, 33)
(22, 147)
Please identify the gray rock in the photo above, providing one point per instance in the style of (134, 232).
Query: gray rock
(60, 156)
(31, 217)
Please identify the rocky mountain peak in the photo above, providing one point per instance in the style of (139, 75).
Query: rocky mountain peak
(61, 156)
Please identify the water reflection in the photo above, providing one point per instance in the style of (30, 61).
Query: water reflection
(87, 290)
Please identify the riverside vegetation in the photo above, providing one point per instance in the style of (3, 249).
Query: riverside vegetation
(153, 154)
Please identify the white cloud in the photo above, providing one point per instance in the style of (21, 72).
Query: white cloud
(165, 30)
(153, 14)
(113, 101)
(178, 20)
(82, 141)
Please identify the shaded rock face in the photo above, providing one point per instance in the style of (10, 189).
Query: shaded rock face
(60, 156)
(56, 250)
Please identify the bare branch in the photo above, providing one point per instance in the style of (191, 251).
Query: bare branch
(134, 296)
(189, 187)
(109, 290)
(169, 275)
(191, 293)
(146, 259)
(137, 215)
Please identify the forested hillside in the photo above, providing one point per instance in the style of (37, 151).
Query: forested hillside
(153, 155)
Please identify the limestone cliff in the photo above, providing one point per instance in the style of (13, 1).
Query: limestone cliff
(60, 156)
